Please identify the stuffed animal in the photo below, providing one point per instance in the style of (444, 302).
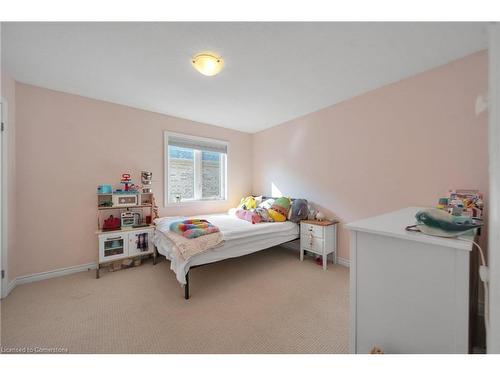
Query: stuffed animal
(279, 209)
(247, 203)
(298, 211)
(247, 215)
(263, 213)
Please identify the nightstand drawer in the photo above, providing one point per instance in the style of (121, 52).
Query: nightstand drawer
(316, 230)
(313, 244)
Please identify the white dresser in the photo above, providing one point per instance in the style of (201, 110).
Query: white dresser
(409, 292)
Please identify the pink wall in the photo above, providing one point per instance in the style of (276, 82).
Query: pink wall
(402, 145)
(8, 88)
(70, 144)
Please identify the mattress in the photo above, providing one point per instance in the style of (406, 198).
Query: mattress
(240, 238)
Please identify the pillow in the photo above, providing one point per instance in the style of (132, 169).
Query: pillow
(279, 209)
(299, 210)
(267, 203)
(258, 200)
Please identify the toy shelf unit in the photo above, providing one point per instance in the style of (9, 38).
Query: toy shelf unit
(125, 228)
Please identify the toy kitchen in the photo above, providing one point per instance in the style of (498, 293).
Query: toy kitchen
(125, 219)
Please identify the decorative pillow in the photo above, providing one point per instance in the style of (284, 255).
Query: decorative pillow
(247, 215)
(267, 203)
(299, 210)
(279, 209)
(247, 203)
(258, 200)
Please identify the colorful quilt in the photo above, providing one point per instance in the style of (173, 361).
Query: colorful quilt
(193, 228)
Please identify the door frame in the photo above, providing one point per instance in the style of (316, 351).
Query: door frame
(4, 282)
(493, 336)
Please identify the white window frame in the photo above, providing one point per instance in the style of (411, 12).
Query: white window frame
(197, 171)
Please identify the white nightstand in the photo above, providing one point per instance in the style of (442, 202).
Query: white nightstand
(319, 237)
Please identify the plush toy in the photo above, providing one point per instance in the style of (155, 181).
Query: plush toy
(279, 209)
(263, 213)
(248, 203)
(247, 215)
(298, 211)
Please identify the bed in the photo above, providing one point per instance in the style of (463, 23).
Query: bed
(240, 238)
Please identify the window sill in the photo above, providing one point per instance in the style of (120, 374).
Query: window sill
(194, 202)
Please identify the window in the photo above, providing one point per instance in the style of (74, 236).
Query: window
(195, 169)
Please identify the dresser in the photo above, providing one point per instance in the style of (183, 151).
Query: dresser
(319, 237)
(409, 292)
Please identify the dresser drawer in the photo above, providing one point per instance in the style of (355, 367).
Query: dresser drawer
(316, 230)
(312, 243)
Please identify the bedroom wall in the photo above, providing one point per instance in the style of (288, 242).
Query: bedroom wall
(8, 88)
(402, 145)
(70, 144)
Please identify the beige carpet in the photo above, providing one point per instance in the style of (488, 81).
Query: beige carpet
(267, 302)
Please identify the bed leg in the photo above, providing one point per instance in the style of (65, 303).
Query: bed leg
(154, 256)
(186, 287)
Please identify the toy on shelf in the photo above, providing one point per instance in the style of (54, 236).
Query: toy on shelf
(104, 189)
(130, 219)
(126, 180)
(146, 179)
(128, 186)
(463, 202)
(111, 223)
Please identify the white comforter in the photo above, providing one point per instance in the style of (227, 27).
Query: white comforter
(240, 238)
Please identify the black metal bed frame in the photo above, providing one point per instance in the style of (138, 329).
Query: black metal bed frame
(186, 286)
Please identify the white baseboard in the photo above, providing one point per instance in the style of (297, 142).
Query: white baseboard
(48, 275)
(54, 273)
(344, 262)
(11, 285)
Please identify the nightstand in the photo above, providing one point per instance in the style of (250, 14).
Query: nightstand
(319, 237)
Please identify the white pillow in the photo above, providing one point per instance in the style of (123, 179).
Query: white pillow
(266, 204)
(258, 200)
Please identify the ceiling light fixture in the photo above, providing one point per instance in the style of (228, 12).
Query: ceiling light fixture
(207, 63)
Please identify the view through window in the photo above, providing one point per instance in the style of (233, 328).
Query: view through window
(197, 172)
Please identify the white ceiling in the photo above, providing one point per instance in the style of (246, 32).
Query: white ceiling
(273, 72)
